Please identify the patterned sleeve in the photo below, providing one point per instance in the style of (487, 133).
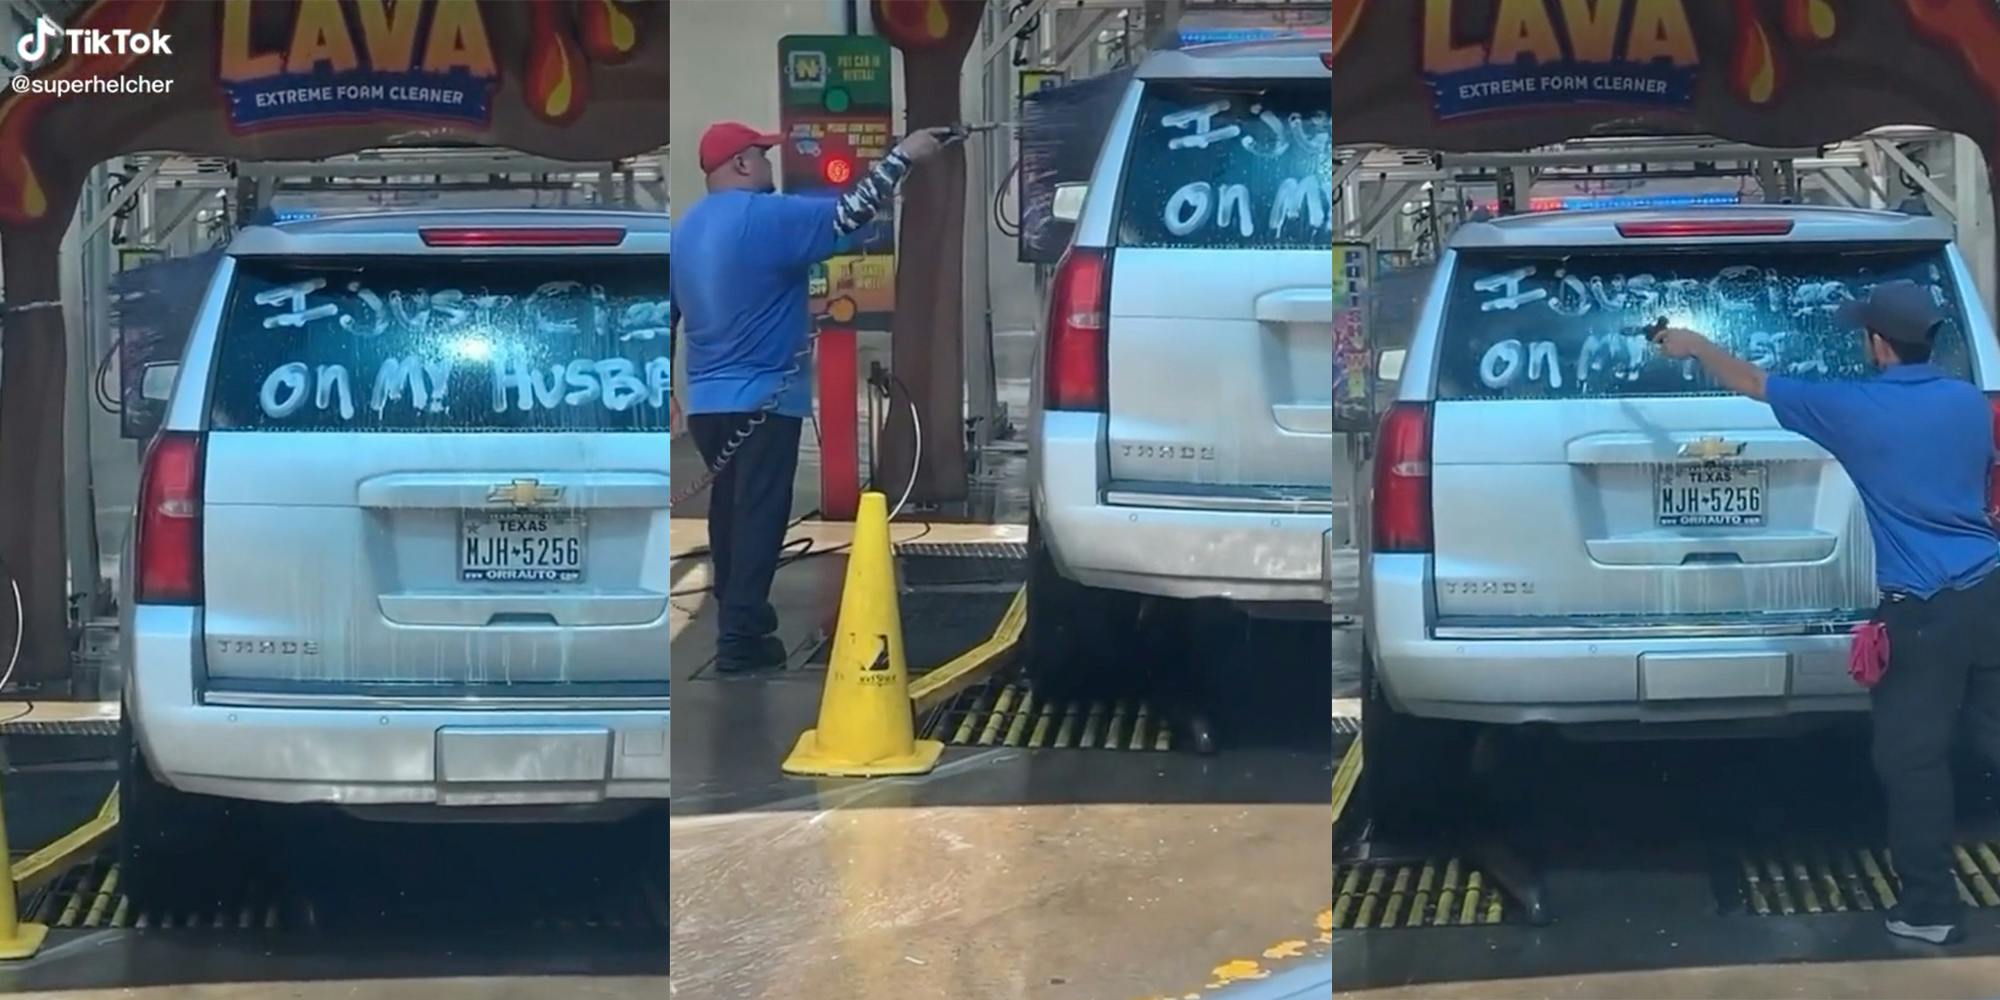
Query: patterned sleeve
(860, 204)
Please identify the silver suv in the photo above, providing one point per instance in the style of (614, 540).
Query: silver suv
(1570, 528)
(1181, 420)
(401, 541)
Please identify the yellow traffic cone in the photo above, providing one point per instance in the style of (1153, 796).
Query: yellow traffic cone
(866, 728)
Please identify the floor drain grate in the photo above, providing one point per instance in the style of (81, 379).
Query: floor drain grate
(1007, 713)
(1344, 726)
(1381, 895)
(88, 897)
(965, 550)
(931, 571)
(1805, 879)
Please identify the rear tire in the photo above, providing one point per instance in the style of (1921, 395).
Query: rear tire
(1080, 640)
(1416, 772)
(168, 839)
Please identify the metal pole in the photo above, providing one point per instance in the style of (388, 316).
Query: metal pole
(981, 396)
(1942, 200)
(87, 344)
(130, 191)
(1976, 237)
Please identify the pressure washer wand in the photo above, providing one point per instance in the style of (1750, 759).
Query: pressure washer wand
(966, 130)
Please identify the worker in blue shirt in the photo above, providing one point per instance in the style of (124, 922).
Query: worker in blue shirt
(740, 261)
(1918, 444)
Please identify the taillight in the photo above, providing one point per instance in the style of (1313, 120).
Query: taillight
(1679, 229)
(168, 546)
(1078, 307)
(1402, 504)
(1993, 468)
(522, 236)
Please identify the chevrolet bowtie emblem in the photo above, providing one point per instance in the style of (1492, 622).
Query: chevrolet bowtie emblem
(1711, 449)
(524, 493)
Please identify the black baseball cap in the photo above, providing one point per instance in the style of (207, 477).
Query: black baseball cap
(1896, 310)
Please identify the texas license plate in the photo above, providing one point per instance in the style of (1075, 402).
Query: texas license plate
(497, 547)
(1732, 495)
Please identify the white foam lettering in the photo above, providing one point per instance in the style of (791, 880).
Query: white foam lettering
(622, 387)
(1280, 143)
(465, 326)
(659, 381)
(1234, 203)
(585, 387)
(1513, 297)
(1188, 208)
(1298, 204)
(1202, 118)
(284, 390)
(373, 303)
(334, 381)
(293, 296)
(1542, 357)
(1296, 194)
(392, 380)
(1501, 364)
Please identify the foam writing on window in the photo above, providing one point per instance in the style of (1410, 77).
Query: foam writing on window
(1227, 203)
(1781, 322)
(555, 312)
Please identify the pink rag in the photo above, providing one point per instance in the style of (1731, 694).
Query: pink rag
(1868, 658)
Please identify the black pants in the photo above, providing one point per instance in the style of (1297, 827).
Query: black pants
(748, 508)
(1944, 672)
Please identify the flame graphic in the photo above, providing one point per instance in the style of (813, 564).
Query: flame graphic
(556, 88)
(1810, 20)
(609, 35)
(1346, 17)
(1971, 27)
(1753, 69)
(23, 198)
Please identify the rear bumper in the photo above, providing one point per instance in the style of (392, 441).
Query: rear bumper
(1166, 552)
(371, 757)
(1584, 680)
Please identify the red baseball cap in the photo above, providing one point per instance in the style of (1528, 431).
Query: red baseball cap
(726, 139)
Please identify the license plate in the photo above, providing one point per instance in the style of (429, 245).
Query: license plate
(1689, 496)
(511, 547)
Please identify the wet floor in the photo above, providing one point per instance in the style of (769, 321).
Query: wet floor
(1007, 873)
(1705, 868)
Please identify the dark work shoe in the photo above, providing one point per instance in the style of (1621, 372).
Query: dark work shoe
(766, 652)
(1917, 927)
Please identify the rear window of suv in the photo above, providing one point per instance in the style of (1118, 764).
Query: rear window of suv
(560, 343)
(1236, 165)
(1568, 324)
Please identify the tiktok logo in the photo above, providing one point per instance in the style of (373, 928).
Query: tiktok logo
(34, 47)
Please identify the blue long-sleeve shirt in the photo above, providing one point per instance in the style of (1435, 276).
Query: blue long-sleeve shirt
(740, 265)
(1917, 443)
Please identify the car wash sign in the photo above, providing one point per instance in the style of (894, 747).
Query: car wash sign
(1538, 53)
(427, 60)
(835, 111)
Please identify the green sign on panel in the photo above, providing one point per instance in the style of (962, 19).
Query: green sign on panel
(838, 74)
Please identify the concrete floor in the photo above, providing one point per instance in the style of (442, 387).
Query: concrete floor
(1005, 874)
